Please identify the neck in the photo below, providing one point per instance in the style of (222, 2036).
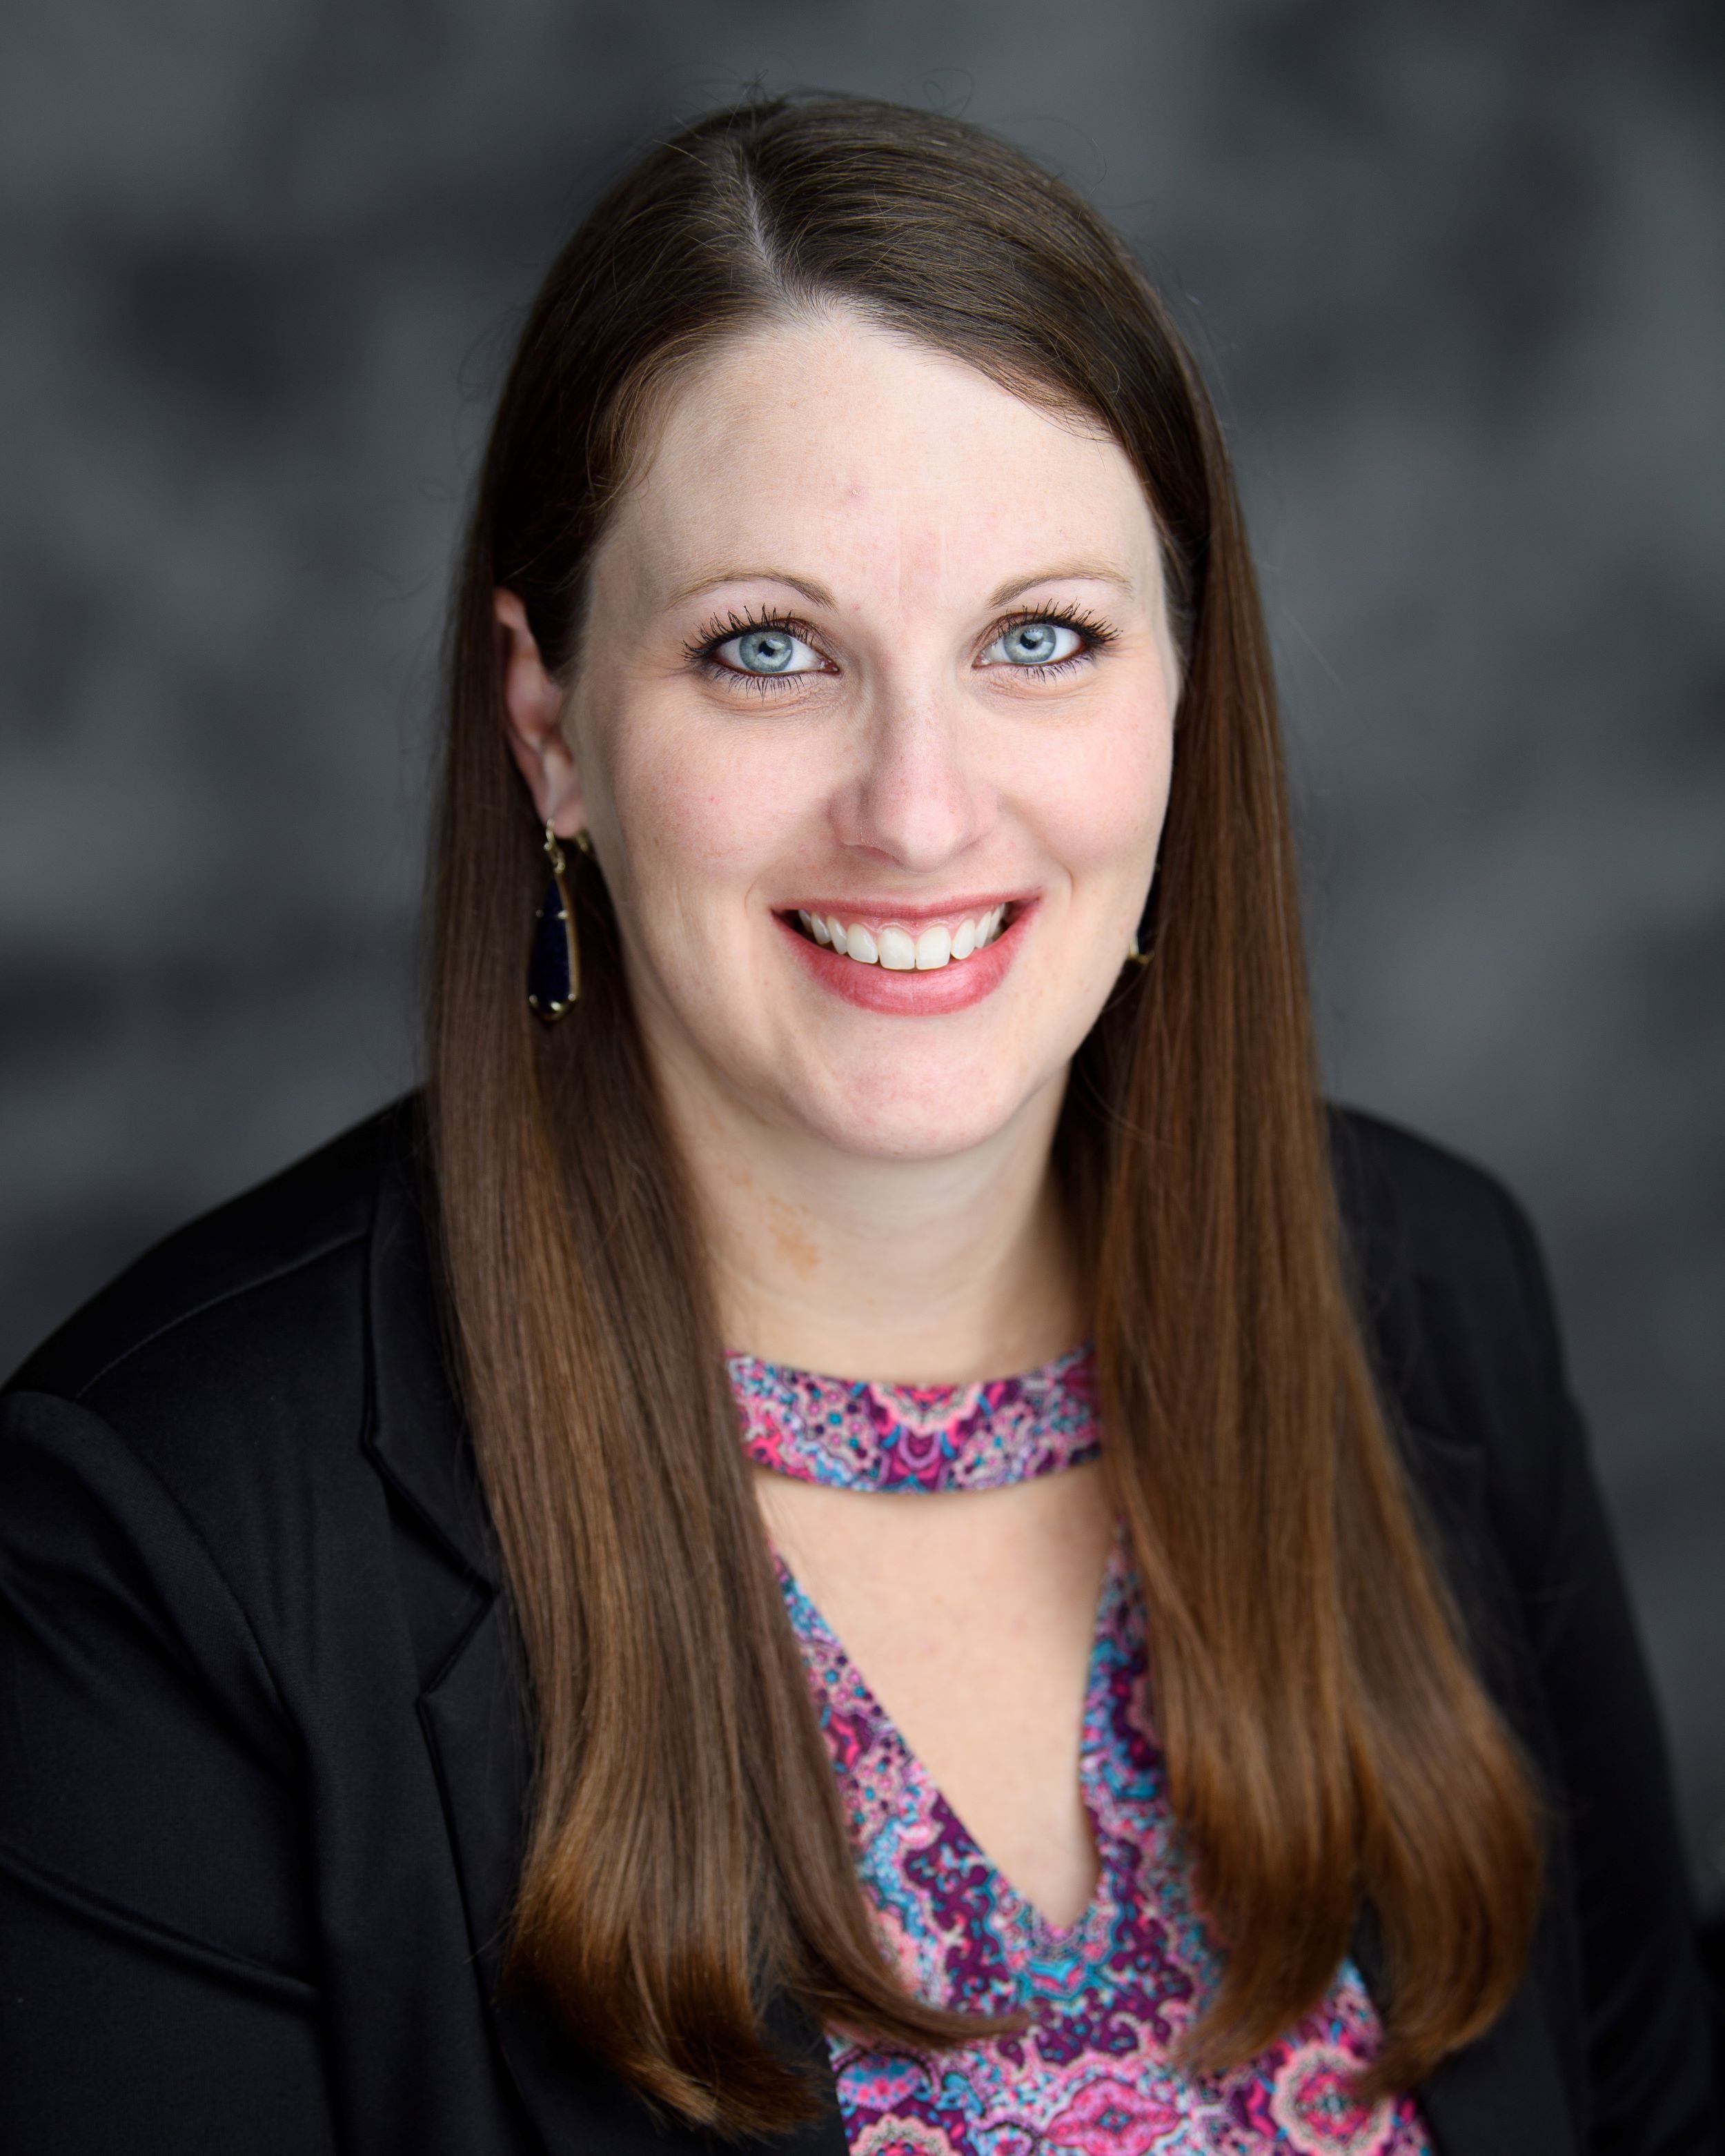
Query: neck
(942, 1271)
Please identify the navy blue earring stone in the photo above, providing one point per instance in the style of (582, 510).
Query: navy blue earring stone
(554, 964)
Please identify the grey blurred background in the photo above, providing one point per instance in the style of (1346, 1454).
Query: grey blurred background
(1455, 270)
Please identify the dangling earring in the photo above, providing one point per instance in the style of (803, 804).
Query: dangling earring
(1138, 957)
(554, 966)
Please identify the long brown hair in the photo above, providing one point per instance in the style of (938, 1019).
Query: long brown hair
(1328, 1748)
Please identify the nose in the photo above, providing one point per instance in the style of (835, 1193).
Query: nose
(918, 800)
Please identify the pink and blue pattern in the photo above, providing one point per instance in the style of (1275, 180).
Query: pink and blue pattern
(854, 1436)
(1109, 1996)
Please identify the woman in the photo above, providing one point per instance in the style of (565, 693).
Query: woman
(476, 1680)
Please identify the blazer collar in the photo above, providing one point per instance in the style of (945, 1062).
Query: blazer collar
(416, 1433)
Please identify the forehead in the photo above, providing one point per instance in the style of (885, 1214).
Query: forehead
(841, 450)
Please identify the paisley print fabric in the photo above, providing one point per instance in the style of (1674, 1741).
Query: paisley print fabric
(1108, 1997)
(854, 1436)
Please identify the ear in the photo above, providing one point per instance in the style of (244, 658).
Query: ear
(533, 708)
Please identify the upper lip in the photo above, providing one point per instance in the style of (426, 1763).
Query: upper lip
(888, 910)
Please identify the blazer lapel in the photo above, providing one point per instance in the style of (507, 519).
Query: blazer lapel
(471, 1713)
(482, 1762)
(1504, 2095)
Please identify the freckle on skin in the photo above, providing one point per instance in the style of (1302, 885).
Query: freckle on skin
(791, 1242)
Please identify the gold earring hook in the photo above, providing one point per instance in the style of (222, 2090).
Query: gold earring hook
(553, 850)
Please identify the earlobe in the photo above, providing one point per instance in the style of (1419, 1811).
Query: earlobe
(533, 716)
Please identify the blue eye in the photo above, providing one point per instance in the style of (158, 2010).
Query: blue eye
(1035, 644)
(767, 651)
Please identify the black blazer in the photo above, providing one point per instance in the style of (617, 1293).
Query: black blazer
(261, 1756)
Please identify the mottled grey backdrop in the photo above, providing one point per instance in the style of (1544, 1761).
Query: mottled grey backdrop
(1455, 269)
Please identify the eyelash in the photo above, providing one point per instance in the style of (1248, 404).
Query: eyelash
(1097, 634)
(720, 631)
(701, 649)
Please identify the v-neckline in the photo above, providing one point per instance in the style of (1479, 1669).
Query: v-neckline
(1049, 1938)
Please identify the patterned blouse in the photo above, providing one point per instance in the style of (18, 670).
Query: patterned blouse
(1109, 1994)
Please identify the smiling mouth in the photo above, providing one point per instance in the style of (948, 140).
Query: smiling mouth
(926, 948)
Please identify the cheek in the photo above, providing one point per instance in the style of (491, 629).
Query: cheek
(702, 810)
(1100, 799)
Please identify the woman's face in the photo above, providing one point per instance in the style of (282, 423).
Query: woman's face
(872, 727)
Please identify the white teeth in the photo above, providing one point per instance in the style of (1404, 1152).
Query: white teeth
(897, 949)
(934, 947)
(898, 953)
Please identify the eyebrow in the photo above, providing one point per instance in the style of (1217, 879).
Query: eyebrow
(1085, 572)
(1065, 572)
(816, 594)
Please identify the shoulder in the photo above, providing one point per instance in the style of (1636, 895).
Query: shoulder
(1452, 1287)
(1421, 1221)
(245, 1327)
(1408, 1202)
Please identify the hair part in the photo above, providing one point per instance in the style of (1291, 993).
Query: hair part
(1330, 1750)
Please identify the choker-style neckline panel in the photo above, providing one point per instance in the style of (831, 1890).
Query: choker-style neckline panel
(851, 1434)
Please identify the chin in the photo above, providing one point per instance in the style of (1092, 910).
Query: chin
(890, 1113)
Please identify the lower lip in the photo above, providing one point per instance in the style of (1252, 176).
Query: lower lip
(953, 987)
